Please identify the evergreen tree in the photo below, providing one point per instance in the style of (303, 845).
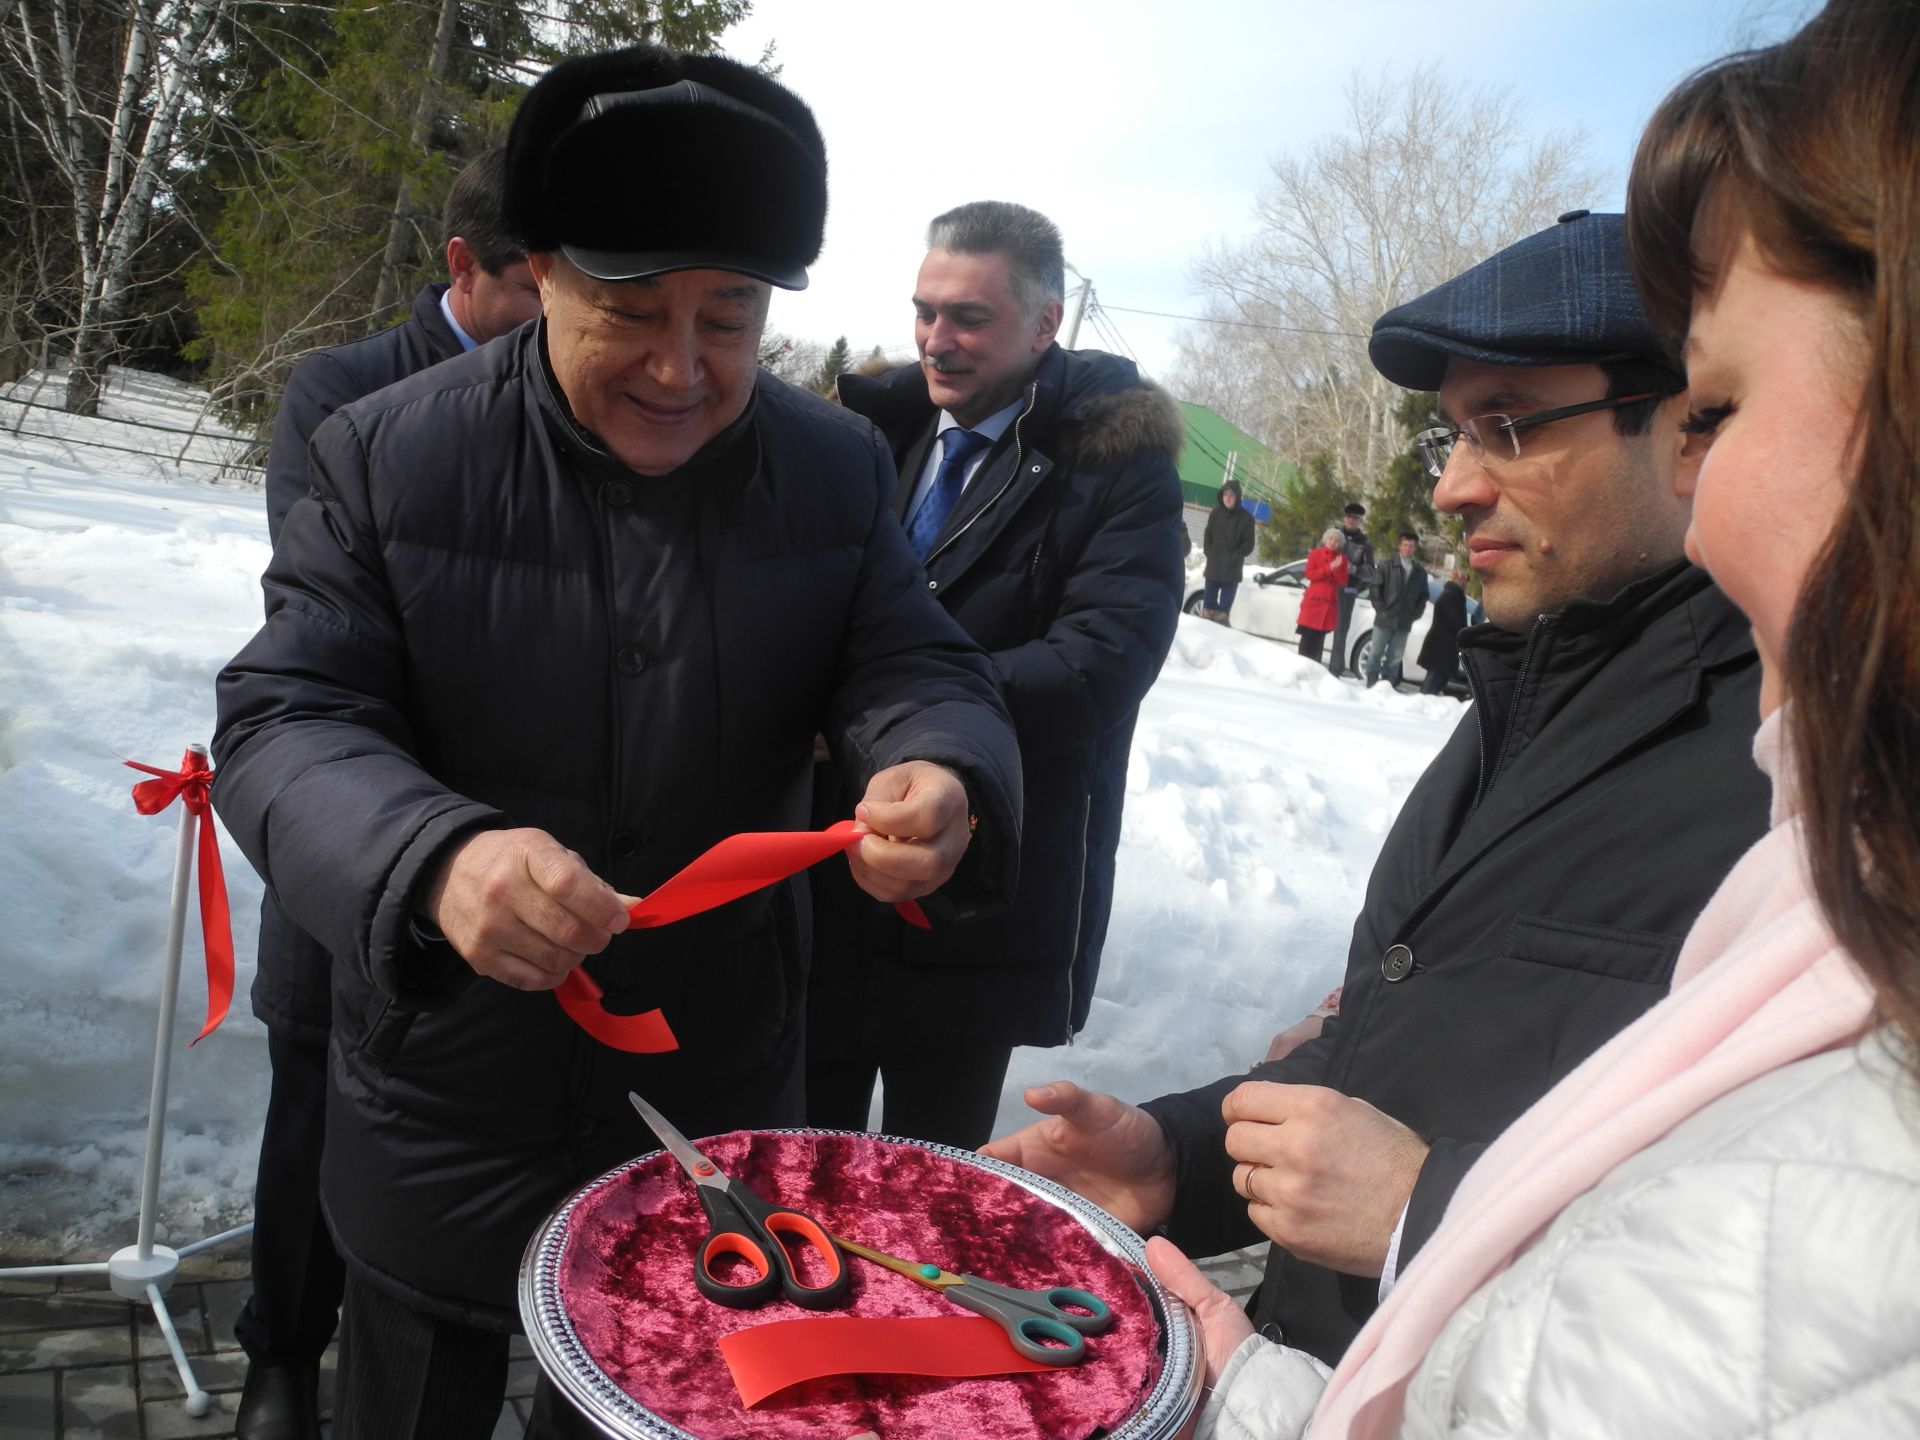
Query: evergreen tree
(839, 359)
(1403, 498)
(343, 152)
(1301, 515)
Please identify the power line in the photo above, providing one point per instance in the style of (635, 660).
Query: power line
(1242, 324)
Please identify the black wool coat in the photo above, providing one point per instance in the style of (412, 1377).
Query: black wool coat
(1227, 543)
(1441, 649)
(480, 619)
(292, 976)
(1063, 560)
(1528, 904)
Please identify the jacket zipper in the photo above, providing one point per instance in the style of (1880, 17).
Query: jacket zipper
(1033, 394)
(1079, 908)
(1487, 778)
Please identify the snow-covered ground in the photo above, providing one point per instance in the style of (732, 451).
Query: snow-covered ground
(1259, 790)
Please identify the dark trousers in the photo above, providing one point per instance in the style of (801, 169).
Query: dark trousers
(1338, 664)
(405, 1374)
(1219, 594)
(948, 1096)
(1310, 643)
(297, 1277)
(1438, 678)
(419, 1377)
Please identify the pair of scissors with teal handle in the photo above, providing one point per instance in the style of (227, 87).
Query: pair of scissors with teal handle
(748, 1228)
(1044, 1325)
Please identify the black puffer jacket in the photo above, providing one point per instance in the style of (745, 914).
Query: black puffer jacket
(1062, 559)
(481, 619)
(291, 979)
(1528, 904)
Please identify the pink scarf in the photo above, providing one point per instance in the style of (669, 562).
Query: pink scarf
(1759, 984)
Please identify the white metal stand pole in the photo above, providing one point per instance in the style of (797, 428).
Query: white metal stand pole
(163, 1036)
(144, 1271)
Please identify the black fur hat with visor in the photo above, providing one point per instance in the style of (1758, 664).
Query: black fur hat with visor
(641, 161)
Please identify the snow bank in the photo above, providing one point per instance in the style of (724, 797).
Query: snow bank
(1259, 789)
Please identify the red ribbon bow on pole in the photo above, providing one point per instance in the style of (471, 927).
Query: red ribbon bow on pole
(736, 866)
(192, 782)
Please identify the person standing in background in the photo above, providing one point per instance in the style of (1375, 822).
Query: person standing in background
(1227, 543)
(1399, 598)
(1320, 606)
(1058, 552)
(1440, 651)
(290, 1317)
(1361, 572)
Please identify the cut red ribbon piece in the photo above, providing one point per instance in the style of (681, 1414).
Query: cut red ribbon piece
(192, 783)
(645, 1034)
(738, 865)
(768, 1358)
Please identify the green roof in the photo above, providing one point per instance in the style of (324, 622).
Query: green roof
(1211, 440)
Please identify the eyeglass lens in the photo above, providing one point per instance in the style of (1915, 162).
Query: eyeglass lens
(1436, 445)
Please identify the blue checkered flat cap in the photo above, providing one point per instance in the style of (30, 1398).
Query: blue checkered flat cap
(1563, 296)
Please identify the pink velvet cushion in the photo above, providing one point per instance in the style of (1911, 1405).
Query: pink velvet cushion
(625, 1279)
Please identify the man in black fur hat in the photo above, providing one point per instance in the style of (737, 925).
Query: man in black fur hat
(1038, 487)
(557, 616)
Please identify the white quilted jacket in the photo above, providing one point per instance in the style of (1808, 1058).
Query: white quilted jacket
(1754, 1273)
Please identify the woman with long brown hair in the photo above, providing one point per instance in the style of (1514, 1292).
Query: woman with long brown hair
(1713, 1225)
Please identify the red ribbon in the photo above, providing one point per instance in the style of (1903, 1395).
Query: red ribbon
(766, 1359)
(738, 865)
(192, 782)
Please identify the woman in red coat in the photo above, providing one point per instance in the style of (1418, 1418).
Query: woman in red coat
(1320, 607)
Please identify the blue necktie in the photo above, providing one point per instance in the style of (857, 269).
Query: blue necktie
(957, 447)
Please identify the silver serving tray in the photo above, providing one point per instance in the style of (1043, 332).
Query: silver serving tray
(567, 1364)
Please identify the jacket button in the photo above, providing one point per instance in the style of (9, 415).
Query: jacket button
(626, 843)
(619, 493)
(583, 1128)
(1396, 964)
(631, 660)
(933, 584)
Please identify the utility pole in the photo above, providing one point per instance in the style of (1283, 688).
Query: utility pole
(1079, 309)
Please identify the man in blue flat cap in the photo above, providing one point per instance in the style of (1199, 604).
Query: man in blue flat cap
(1532, 895)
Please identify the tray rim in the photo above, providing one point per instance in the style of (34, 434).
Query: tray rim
(564, 1360)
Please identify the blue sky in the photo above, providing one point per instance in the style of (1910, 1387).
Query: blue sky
(1146, 129)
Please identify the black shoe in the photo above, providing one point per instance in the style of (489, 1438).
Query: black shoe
(280, 1402)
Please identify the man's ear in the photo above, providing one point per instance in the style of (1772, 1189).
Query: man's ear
(462, 264)
(1048, 325)
(540, 262)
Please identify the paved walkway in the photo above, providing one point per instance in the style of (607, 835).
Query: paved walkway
(79, 1363)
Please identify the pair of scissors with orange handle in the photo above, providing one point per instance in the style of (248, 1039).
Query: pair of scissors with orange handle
(748, 1228)
(1044, 1325)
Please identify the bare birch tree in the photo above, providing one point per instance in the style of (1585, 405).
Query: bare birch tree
(1425, 181)
(112, 148)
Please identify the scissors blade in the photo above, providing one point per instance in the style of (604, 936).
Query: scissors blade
(703, 1170)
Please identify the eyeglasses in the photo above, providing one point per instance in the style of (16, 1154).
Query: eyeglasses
(1497, 437)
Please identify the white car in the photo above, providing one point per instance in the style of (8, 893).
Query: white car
(1268, 604)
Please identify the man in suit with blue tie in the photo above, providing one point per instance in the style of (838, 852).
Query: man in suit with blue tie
(1037, 486)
